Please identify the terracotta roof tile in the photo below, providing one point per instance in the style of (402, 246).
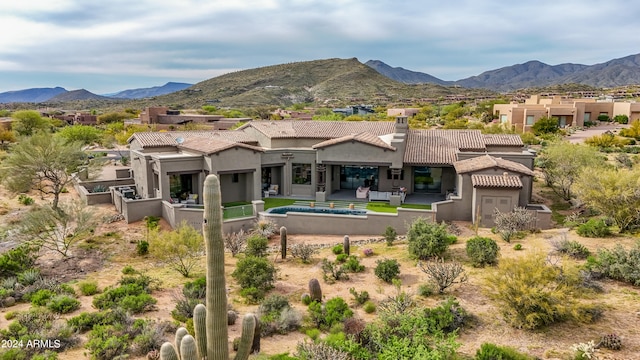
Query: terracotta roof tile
(161, 139)
(496, 181)
(320, 129)
(503, 140)
(426, 147)
(487, 162)
(365, 138)
(210, 146)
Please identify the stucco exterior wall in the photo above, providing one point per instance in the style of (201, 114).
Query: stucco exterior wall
(356, 153)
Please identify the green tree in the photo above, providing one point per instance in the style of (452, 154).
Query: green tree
(546, 125)
(614, 192)
(181, 248)
(84, 134)
(44, 163)
(58, 229)
(114, 117)
(562, 163)
(6, 137)
(28, 122)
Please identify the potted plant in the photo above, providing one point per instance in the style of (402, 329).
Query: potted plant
(421, 182)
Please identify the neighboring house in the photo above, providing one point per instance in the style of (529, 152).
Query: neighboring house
(570, 112)
(161, 115)
(461, 172)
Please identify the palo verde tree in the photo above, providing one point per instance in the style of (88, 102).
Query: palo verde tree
(562, 163)
(45, 163)
(58, 229)
(28, 122)
(614, 192)
(181, 248)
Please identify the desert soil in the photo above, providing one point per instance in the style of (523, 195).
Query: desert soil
(102, 259)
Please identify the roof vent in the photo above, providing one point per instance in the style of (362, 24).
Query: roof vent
(180, 140)
(505, 174)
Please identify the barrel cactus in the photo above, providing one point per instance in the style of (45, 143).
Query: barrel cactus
(315, 291)
(283, 242)
(211, 340)
(611, 342)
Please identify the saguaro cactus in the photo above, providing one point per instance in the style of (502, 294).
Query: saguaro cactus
(346, 245)
(315, 291)
(283, 242)
(210, 321)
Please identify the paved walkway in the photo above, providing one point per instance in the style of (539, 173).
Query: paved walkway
(580, 135)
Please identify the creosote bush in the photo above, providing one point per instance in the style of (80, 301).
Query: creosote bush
(387, 270)
(427, 239)
(482, 251)
(594, 228)
(617, 263)
(255, 273)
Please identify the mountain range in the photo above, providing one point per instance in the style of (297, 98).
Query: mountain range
(616, 72)
(59, 94)
(339, 81)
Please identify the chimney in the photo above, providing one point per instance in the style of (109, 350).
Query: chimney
(401, 125)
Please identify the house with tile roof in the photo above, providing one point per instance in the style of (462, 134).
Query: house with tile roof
(464, 174)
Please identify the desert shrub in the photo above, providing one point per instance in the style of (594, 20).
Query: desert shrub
(444, 274)
(508, 224)
(332, 271)
(63, 304)
(490, 351)
(482, 251)
(353, 265)
(131, 297)
(107, 342)
(277, 316)
(427, 239)
(87, 320)
(235, 242)
(319, 351)
(334, 311)
(447, 317)
(149, 338)
(617, 263)
(142, 247)
(41, 297)
(408, 335)
(621, 119)
(338, 249)
(387, 269)
(605, 140)
(255, 272)
(129, 270)
(397, 303)
(341, 258)
(594, 228)
(360, 297)
(517, 247)
(546, 125)
(257, 245)
(426, 290)
(529, 139)
(390, 235)
(570, 248)
(25, 199)
(369, 307)
(193, 293)
(303, 251)
(313, 334)
(17, 260)
(265, 228)
(88, 288)
(532, 293)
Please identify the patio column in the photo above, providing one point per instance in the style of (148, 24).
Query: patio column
(321, 185)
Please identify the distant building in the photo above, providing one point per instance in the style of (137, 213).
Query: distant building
(570, 112)
(164, 116)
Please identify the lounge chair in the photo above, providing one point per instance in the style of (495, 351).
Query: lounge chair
(273, 189)
(362, 192)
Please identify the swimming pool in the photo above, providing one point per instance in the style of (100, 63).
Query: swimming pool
(315, 210)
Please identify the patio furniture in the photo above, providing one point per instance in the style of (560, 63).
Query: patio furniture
(192, 199)
(379, 195)
(362, 192)
(273, 189)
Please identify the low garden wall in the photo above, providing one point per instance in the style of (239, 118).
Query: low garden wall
(85, 190)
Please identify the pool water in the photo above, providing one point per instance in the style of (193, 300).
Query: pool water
(314, 210)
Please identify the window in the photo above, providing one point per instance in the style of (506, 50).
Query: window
(235, 177)
(530, 119)
(301, 173)
(503, 118)
(587, 117)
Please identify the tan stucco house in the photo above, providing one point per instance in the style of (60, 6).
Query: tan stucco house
(569, 111)
(462, 173)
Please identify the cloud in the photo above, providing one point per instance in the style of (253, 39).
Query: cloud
(199, 39)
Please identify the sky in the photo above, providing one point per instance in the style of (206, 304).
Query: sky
(106, 46)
